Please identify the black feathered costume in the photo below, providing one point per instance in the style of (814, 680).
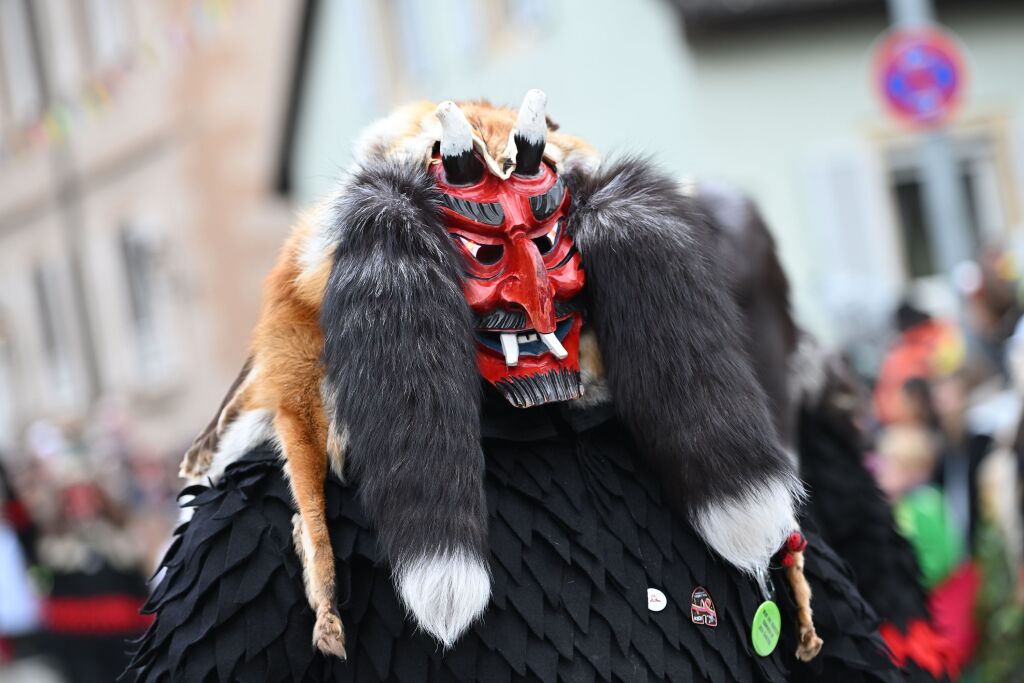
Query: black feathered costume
(666, 475)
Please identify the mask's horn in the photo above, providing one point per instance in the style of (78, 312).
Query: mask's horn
(531, 133)
(461, 165)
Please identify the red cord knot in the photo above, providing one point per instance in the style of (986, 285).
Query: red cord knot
(795, 543)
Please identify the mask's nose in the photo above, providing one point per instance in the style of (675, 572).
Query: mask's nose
(528, 287)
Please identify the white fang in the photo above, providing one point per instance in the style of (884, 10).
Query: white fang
(555, 346)
(510, 347)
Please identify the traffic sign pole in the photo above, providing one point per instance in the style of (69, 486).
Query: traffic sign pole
(945, 207)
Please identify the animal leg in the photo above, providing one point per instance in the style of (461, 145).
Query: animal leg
(307, 464)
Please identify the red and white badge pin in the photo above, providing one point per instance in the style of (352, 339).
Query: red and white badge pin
(702, 608)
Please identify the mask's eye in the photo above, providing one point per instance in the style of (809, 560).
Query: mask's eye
(546, 242)
(486, 254)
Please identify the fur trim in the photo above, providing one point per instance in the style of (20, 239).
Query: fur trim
(675, 363)
(808, 372)
(595, 387)
(317, 245)
(250, 429)
(337, 434)
(200, 454)
(743, 249)
(400, 365)
(407, 134)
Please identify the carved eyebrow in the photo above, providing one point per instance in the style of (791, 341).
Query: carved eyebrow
(543, 205)
(488, 213)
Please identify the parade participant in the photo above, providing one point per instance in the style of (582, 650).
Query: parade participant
(557, 461)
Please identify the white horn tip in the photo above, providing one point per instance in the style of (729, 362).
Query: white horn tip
(444, 109)
(531, 122)
(536, 95)
(456, 133)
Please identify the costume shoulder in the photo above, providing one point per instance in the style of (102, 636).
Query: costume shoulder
(579, 532)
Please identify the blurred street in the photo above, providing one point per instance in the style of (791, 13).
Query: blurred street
(153, 155)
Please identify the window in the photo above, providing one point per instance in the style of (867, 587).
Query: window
(109, 26)
(51, 332)
(7, 389)
(917, 246)
(140, 254)
(60, 27)
(24, 91)
(976, 165)
(529, 13)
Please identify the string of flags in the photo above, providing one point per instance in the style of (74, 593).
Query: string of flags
(175, 41)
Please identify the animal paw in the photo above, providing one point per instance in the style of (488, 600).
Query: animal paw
(810, 644)
(328, 633)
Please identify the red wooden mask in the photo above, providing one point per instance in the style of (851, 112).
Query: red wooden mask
(522, 271)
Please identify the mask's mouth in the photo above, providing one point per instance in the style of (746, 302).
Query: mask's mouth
(526, 342)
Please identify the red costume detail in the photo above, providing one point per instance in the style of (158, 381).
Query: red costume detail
(94, 615)
(507, 270)
(795, 543)
(947, 644)
(16, 515)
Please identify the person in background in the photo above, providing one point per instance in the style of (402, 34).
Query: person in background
(93, 575)
(923, 341)
(20, 608)
(908, 458)
(991, 307)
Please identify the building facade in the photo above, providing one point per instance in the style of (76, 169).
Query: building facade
(151, 154)
(775, 95)
(138, 210)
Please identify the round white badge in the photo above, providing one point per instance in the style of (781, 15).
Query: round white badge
(656, 600)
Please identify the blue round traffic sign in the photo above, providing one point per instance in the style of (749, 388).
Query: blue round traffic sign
(920, 74)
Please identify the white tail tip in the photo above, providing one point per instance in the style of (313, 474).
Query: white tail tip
(445, 593)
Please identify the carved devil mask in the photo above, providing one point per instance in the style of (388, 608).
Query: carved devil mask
(522, 272)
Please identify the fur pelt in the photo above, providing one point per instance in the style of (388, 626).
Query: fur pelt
(400, 369)
(675, 364)
(744, 250)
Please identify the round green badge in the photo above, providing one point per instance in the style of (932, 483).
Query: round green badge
(767, 626)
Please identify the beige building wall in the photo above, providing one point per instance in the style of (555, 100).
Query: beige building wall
(166, 195)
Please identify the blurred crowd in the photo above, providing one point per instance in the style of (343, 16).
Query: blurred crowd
(85, 514)
(948, 451)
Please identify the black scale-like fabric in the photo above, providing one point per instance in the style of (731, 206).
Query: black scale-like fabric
(578, 534)
(857, 522)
